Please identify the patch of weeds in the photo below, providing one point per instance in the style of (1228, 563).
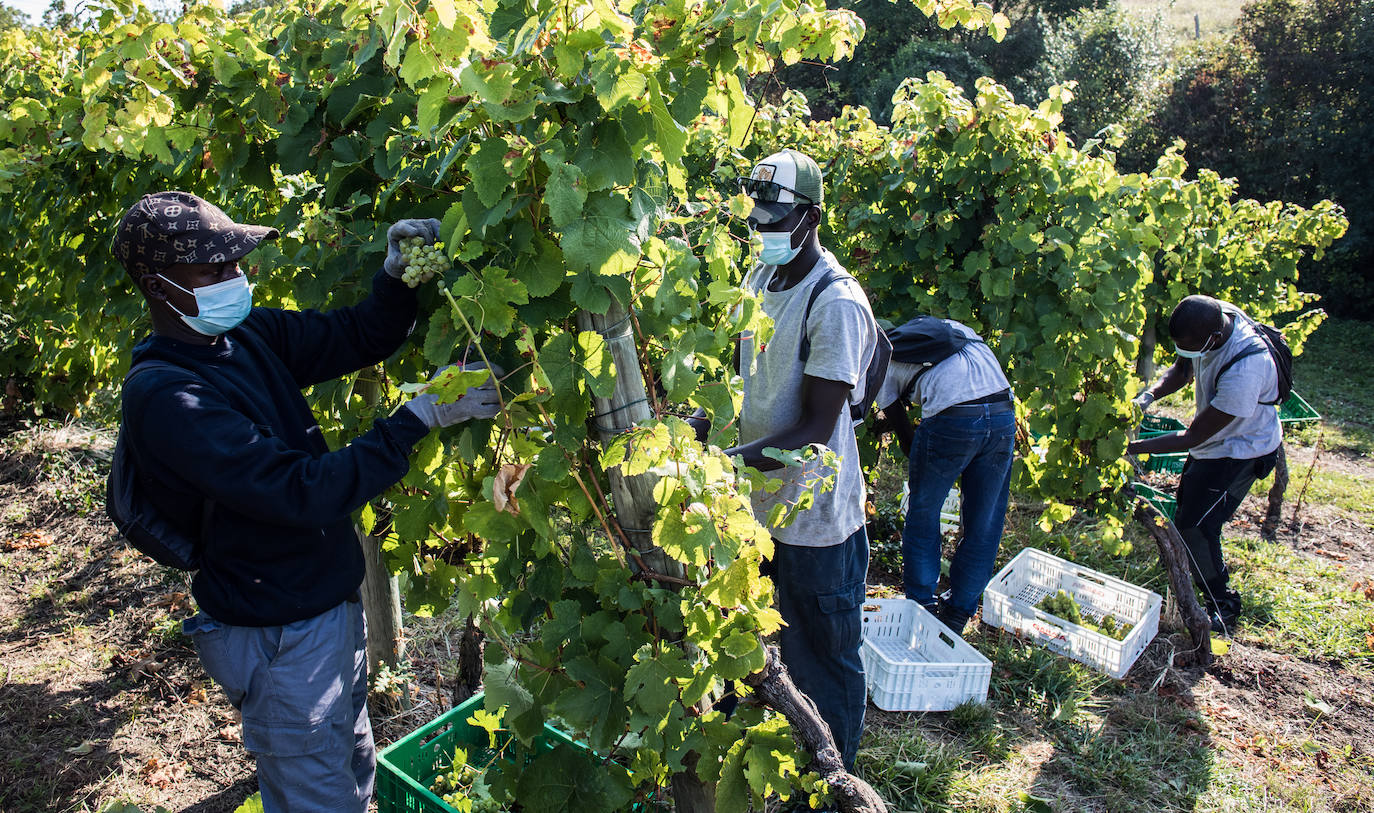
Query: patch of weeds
(977, 724)
(393, 682)
(1145, 753)
(165, 629)
(1297, 605)
(1053, 688)
(1347, 492)
(908, 770)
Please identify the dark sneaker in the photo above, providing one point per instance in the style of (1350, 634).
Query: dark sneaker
(1224, 625)
(952, 618)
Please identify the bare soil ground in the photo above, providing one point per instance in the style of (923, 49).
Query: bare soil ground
(100, 697)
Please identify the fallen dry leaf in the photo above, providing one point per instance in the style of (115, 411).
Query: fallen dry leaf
(507, 481)
(176, 602)
(144, 667)
(29, 540)
(230, 733)
(162, 774)
(1365, 587)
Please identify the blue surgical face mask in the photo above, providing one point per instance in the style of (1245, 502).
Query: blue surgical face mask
(1194, 354)
(777, 246)
(220, 307)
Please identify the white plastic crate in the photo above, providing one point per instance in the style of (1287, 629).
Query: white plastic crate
(949, 510)
(912, 662)
(1010, 599)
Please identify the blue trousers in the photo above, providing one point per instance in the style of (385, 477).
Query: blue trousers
(977, 451)
(302, 689)
(820, 593)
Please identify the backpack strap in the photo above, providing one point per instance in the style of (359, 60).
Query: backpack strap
(1254, 351)
(831, 276)
(146, 366)
(134, 371)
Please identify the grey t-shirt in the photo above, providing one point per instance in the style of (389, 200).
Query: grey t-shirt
(843, 335)
(971, 373)
(1255, 431)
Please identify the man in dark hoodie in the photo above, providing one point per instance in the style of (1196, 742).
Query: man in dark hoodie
(229, 450)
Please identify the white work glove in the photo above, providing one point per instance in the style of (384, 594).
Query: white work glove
(1143, 400)
(478, 402)
(428, 228)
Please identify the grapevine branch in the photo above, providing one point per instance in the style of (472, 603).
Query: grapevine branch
(1174, 556)
(774, 686)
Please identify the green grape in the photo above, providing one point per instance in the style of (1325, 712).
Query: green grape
(422, 262)
(464, 787)
(1063, 605)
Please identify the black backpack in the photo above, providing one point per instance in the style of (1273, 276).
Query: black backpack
(877, 367)
(1277, 347)
(925, 342)
(138, 520)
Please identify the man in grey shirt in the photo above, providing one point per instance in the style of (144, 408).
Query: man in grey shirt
(1232, 441)
(967, 434)
(792, 399)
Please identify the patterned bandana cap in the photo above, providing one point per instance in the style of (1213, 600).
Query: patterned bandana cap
(170, 228)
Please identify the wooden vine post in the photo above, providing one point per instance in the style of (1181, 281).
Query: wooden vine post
(635, 508)
(381, 593)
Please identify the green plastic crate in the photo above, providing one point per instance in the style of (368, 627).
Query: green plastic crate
(407, 767)
(1169, 462)
(1165, 503)
(1297, 410)
(1152, 426)
(1155, 425)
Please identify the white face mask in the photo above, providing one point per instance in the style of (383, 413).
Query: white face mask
(219, 307)
(1195, 354)
(777, 246)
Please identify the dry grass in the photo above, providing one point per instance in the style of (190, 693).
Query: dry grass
(1212, 16)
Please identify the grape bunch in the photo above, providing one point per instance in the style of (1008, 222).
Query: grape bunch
(1066, 607)
(1063, 605)
(464, 788)
(422, 261)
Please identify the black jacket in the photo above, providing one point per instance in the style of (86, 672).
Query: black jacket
(231, 426)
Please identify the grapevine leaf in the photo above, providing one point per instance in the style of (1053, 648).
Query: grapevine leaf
(441, 339)
(652, 681)
(565, 193)
(597, 362)
(605, 156)
(488, 170)
(594, 706)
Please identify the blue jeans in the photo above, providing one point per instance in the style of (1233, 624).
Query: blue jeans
(820, 595)
(302, 689)
(976, 451)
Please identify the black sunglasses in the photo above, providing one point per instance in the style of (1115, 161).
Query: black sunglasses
(768, 191)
